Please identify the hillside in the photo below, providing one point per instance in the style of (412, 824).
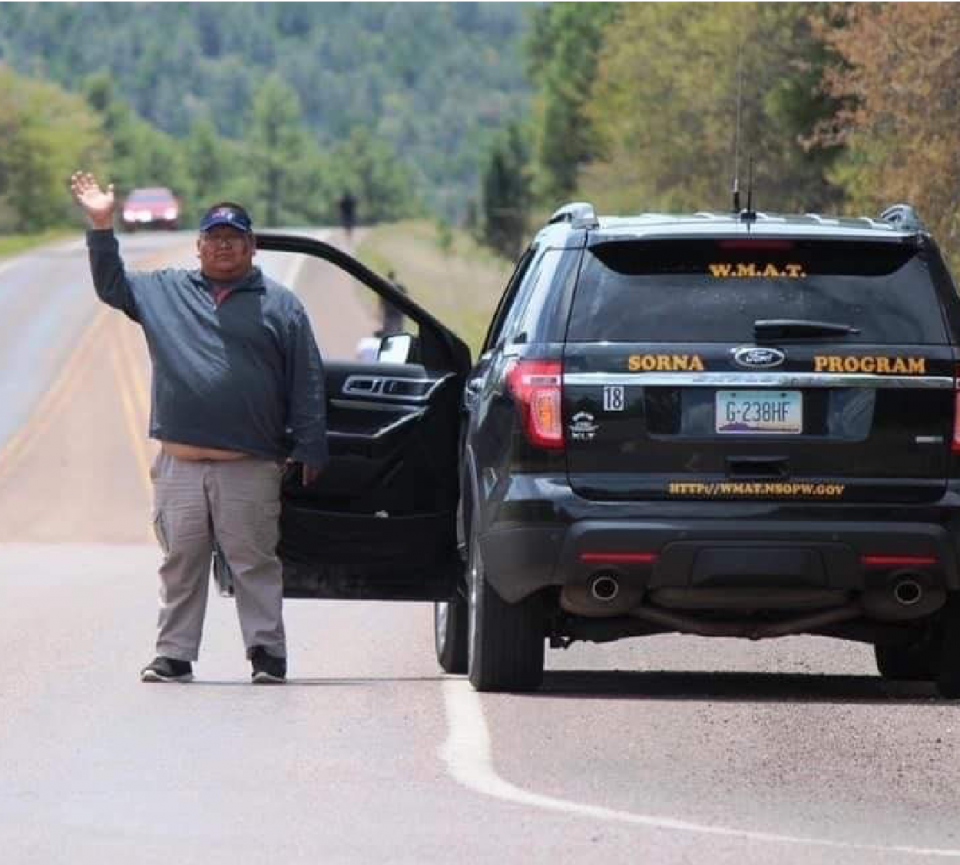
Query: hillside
(432, 80)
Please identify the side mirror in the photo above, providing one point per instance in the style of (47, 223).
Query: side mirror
(398, 348)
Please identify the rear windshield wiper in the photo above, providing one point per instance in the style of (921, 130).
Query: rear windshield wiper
(787, 327)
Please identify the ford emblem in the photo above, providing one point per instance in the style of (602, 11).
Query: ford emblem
(754, 357)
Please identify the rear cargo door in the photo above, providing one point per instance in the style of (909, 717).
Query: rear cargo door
(770, 369)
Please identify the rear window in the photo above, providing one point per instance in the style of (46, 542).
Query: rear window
(714, 291)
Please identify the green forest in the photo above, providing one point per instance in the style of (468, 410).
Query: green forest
(842, 108)
(283, 105)
(487, 115)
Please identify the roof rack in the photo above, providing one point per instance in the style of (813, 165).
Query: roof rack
(580, 214)
(903, 217)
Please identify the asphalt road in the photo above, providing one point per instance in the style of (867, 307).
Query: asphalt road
(670, 749)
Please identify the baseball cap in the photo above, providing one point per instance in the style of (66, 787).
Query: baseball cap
(226, 213)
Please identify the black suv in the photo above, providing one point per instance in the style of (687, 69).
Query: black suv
(725, 424)
(717, 424)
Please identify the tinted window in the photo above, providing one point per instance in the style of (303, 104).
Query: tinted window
(524, 327)
(714, 291)
(544, 317)
(511, 322)
(506, 304)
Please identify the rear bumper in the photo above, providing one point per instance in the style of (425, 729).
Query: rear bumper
(858, 552)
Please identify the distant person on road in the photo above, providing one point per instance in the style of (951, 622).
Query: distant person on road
(348, 213)
(368, 348)
(237, 390)
(391, 317)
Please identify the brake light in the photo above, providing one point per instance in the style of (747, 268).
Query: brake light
(897, 561)
(755, 243)
(955, 442)
(535, 384)
(597, 558)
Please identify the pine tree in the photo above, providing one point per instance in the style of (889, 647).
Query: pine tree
(563, 50)
(275, 142)
(506, 193)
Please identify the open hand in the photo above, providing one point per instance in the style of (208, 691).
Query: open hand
(96, 203)
(308, 473)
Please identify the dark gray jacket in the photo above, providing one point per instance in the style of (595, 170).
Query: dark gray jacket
(243, 376)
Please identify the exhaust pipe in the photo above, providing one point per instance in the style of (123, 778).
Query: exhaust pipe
(908, 592)
(604, 588)
(907, 595)
(602, 595)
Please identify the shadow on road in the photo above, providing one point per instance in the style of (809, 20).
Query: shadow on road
(299, 681)
(736, 687)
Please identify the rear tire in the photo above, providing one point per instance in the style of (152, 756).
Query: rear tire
(948, 668)
(450, 629)
(915, 662)
(506, 641)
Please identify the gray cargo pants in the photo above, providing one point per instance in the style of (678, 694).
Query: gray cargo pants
(238, 502)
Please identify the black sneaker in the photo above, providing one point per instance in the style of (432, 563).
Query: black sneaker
(162, 669)
(267, 668)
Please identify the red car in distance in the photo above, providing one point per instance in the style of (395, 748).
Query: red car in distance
(151, 207)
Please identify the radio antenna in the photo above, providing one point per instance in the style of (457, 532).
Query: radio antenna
(736, 134)
(749, 215)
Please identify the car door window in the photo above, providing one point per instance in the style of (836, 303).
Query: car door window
(513, 318)
(506, 301)
(524, 326)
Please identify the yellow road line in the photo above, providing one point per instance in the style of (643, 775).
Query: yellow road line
(132, 390)
(128, 397)
(125, 340)
(135, 394)
(17, 447)
(127, 387)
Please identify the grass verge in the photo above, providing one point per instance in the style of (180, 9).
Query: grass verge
(14, 244)
(445, 271)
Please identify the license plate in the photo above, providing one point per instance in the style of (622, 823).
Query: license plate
(752, 412)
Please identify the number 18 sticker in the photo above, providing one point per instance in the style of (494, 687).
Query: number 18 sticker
(613, 399)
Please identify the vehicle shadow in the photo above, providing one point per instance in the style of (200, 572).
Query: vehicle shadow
(736, 687)
(332, 681)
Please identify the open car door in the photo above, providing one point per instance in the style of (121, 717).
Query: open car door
(380, 523)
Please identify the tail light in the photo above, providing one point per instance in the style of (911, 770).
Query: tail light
(535, 384)
(884, 561)
(598, 558)
(955, 442)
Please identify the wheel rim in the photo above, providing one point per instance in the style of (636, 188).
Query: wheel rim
(474, 572)
(441, 613)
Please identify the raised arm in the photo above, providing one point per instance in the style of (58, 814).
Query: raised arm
(109, 276)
